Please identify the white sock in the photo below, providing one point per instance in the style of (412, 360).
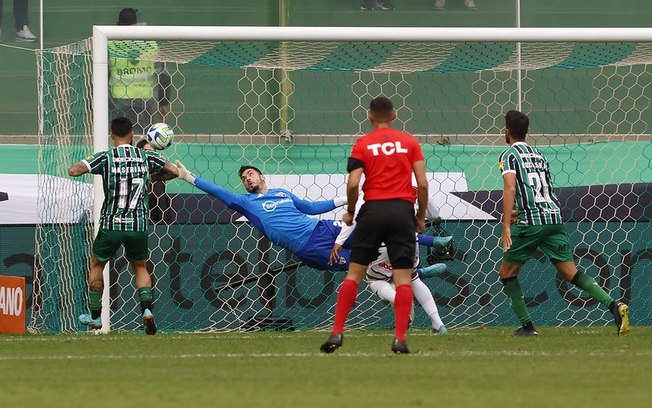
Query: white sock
(384, 290)
(423, 295)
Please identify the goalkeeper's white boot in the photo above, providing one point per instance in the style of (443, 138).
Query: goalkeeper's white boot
(87, 320)
(441, 330)
(150, 324)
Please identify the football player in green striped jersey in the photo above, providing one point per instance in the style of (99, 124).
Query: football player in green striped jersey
(126, 171)
(528, 189)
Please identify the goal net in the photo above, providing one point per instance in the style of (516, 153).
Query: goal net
(291, 102)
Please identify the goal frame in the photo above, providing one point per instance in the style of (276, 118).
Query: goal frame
(103, 34)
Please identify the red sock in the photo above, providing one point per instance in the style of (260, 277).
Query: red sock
(345, 299)
(402, 306)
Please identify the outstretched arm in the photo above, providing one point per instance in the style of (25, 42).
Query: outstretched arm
(168, 172)
(219, 192)
(317, 207)
(78, 169)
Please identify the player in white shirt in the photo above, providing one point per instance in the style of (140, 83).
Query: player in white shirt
(379, 272)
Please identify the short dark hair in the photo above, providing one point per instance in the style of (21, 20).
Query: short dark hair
(382, 107)
(247, 167)
(517, 123)
(121, 127)
(127, 16)
(141, 143)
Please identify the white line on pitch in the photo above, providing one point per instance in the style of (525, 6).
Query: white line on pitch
(447, 354)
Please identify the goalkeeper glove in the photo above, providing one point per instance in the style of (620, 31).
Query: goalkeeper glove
(184, 173)
(340, 201)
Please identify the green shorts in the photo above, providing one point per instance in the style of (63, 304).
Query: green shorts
(107, 242)
(551, 239)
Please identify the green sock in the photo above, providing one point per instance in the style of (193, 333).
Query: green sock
(145, 294)
(146, 298)
(95, 303)
(513, 290)
(589, 284)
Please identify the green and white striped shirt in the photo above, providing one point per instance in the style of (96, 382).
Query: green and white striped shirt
(536, 203)
(125, 172)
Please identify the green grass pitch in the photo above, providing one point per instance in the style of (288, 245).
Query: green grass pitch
(563, 367)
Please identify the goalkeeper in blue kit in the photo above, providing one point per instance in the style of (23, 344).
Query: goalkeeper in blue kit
(284, 218)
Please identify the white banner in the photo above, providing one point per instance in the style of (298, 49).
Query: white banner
(69, 201)
(66, 201)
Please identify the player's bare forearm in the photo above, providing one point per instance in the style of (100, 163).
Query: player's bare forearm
(422, 200)
(509, 194)
(514, 217)
(77, 169)
(335, 254)
(168, 172)
(352, 188)
(163, 175)
(419, 169)
(352, 197)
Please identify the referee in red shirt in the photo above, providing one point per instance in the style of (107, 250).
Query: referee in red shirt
(387, 157)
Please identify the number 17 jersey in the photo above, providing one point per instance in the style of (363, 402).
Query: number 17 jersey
(125, 172)
(536, 203)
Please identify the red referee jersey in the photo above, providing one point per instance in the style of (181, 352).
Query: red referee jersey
(388, 155)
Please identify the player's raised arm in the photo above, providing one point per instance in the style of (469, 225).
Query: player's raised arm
(95, 164)
(78, 169)
(168, 172)
(160, 169)
(219, 192)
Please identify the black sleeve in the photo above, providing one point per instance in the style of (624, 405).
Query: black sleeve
(353, 164)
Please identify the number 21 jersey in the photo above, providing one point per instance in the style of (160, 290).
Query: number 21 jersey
(535, 201)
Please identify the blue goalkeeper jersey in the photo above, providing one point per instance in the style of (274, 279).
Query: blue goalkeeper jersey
(278, 214)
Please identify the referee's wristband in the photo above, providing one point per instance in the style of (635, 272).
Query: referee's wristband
(350, 211)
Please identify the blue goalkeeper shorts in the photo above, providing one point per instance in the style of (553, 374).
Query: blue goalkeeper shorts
(317, 251)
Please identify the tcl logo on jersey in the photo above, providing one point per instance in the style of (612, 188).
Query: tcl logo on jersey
(387, 148)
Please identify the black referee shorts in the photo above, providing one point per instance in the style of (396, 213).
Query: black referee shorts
(385, 221)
